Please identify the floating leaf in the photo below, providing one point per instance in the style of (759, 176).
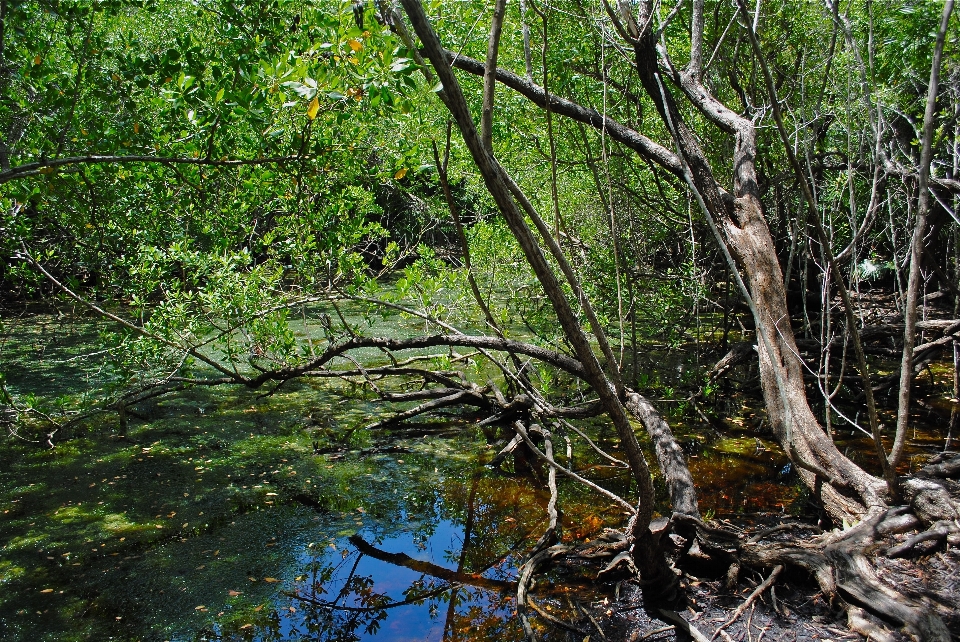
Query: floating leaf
(313, 108)
(271, 580)
(47, 591)
(246, 626)
(400, 174)
(234, 593)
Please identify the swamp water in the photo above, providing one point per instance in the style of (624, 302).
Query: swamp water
(215, 517)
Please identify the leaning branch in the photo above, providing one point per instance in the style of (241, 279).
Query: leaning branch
(557, 105)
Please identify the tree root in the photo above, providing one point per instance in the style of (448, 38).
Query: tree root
(683, 625)
(554, 620)
(939, 532)
(860, 622)
(839, 565)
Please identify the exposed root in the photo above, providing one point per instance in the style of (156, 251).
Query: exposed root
(841, 569)
(683, 625)
(656, 631)
(554, 620)
(861, 622)
(939, 532)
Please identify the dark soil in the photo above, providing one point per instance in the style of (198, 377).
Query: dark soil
(794, 610)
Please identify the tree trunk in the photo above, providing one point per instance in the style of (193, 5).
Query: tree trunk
(647, 552)
(846, 490)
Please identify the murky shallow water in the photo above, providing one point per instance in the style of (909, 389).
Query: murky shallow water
(214, 516)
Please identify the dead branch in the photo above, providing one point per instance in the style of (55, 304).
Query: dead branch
(455, 398)
(750, 600)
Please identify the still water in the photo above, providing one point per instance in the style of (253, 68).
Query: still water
(225, 514)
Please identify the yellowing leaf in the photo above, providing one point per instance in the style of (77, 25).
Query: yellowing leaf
(37, 61)
(136, 128)
(270, 579)
(313, 108)
(356, 45)
(115, 76)
(400, 174)
(354, 60)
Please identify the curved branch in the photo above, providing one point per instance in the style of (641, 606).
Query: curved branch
(556, 359)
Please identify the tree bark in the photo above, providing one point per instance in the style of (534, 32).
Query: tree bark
(916, 245)
(844, 488)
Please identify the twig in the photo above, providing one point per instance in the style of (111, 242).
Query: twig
(653, 632)
(569, 473)
(554, 620)
(749, 601)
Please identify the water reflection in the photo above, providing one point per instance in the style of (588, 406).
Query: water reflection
(443, 571)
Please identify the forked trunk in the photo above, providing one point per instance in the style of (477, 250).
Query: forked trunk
(846, 490)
